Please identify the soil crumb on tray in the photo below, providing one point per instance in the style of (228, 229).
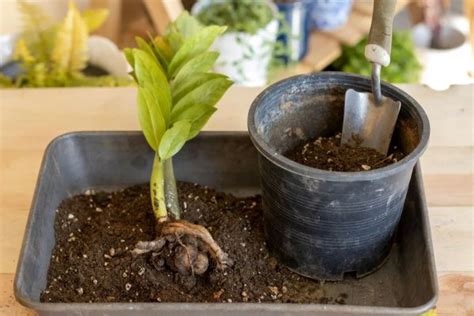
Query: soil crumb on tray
(327, 153)
(95, 232)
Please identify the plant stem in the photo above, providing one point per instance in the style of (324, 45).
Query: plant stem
(157, 190)
(171, 193)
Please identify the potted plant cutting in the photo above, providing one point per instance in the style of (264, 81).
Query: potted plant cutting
(246, 49)
(142, 244)
(62, 54)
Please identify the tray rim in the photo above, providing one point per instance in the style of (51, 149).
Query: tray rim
(216, 307)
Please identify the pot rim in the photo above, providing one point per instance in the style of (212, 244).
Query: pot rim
(357, 82)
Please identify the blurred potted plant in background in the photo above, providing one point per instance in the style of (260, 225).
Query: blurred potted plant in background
(62, 54)
(246, 48)
(404, 68)
(294, 29)
(327, 15)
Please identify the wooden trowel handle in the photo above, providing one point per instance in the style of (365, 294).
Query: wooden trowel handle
(380, 36)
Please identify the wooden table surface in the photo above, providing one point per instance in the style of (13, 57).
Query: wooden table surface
(31, 118)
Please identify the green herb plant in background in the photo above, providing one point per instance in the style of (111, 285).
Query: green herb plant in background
(246, 16)
(177, 94)
(55, 54)
(404, 66)
(243, 18)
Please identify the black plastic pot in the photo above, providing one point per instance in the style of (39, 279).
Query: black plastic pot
(324, 224)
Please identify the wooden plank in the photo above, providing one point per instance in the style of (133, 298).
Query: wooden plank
(449, 190)
(162, 12)
(453, 234)
(456, 295)
(8, 305)
(322, 50)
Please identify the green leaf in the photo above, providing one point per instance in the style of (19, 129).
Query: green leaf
(192, 82)
(197, 115)
(208, 94)
(187, 25)
(193, 46)
(201, 63)
(94, 18)
(148, 73)
(144, 46)
(174, 39)
(144, 117)
(173, 139)
(131, 61)
(158, 47)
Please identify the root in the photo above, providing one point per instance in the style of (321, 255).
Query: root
(188, 248)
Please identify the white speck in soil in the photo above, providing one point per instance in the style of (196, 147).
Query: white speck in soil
(229, 300)
(365, 167)
(106, 256)
(141, 271)
(98, 210)
(128, 286)
(70, 216)
(89, 218)
(80, 291)
(84, 256)
(95, 281)
(88, 192)
(242, 244)
(124, 275)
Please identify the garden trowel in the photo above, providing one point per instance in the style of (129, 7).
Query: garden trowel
(370, 118)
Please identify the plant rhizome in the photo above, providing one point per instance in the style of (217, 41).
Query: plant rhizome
(177, 94)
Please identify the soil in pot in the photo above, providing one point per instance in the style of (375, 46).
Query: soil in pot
(95, 233)
(327, 153)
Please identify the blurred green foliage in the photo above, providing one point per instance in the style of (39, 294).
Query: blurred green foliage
(246, 16)
(404, 66)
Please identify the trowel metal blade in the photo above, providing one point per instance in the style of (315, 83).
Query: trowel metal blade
(367, 124)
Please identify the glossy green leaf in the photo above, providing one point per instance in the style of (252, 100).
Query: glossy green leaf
(174, 139)
(131, 61)
(197, 115)
(146, 47)
(193, 46)
(159, 52)
(174, 38)
(201, 63)
(148, 73)
(193, 82)
(208, 94)
(144, 117)
(187, 25)
(157, 118)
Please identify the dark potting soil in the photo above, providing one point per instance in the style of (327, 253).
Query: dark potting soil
(91, 261)
(327, 153)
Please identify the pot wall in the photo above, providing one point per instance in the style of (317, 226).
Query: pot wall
(325, 224)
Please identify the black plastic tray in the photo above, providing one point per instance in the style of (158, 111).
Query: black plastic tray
(405, 285)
